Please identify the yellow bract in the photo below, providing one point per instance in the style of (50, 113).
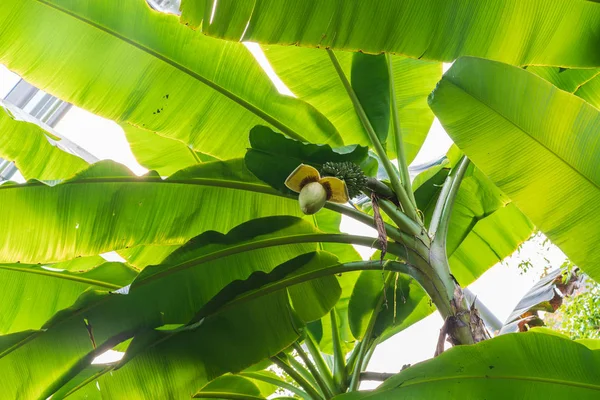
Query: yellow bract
(303, 174)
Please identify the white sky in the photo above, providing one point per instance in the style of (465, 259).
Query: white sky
(499, 289)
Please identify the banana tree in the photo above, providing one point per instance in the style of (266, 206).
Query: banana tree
(237, 281)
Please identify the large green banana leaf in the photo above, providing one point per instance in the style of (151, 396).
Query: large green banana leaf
(35, 151)
(310, 75)
(107, 208)
(153, 73)
(515, 366)
(512, 31)
(538, 144)
(32, 294)
(229, 342)
(226, 340)
(170, 293)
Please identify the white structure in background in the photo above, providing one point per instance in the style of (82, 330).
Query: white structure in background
(168, 6)
(28, 103)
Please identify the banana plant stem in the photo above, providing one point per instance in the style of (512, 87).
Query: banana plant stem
(318, 360)
(304, 384)
(340, 376)
(301, 369)
(367, 338)
(400, 219)
(408, 208)
(319, 379)
(443, 208)
(400, 152)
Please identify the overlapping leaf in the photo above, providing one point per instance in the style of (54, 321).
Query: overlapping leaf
(171, 293)
(107, 208)
(155, 73)
(310, 75)
(532, 32)
(35, 152)
(539, 145)
(32, 294)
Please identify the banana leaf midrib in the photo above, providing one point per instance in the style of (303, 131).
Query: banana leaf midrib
(59, 275)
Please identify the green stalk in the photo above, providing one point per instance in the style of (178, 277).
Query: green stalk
(400, 219)
(440, 221)
(305, 374)
(352, 359)
(276, 382)
(364, 350)
(366, 219)
(445, 202)
(319, 361)
(400, 152)
(340, 376)
(457, 176)
(355, 378)
(319, 379)
(308, 388)
(409, 209)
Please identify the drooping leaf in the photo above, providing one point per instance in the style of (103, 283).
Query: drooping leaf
(536, 143)
(32, 294)
(546, 295)
(170, 293)
(107, 208)
(431, 30)
(35, 152)
(273, 157)
(310, 75)
(229, 342)
(263, 321)
(176, 82)
(523, 365)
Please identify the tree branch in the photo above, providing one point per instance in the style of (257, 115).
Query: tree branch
(375, 376)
